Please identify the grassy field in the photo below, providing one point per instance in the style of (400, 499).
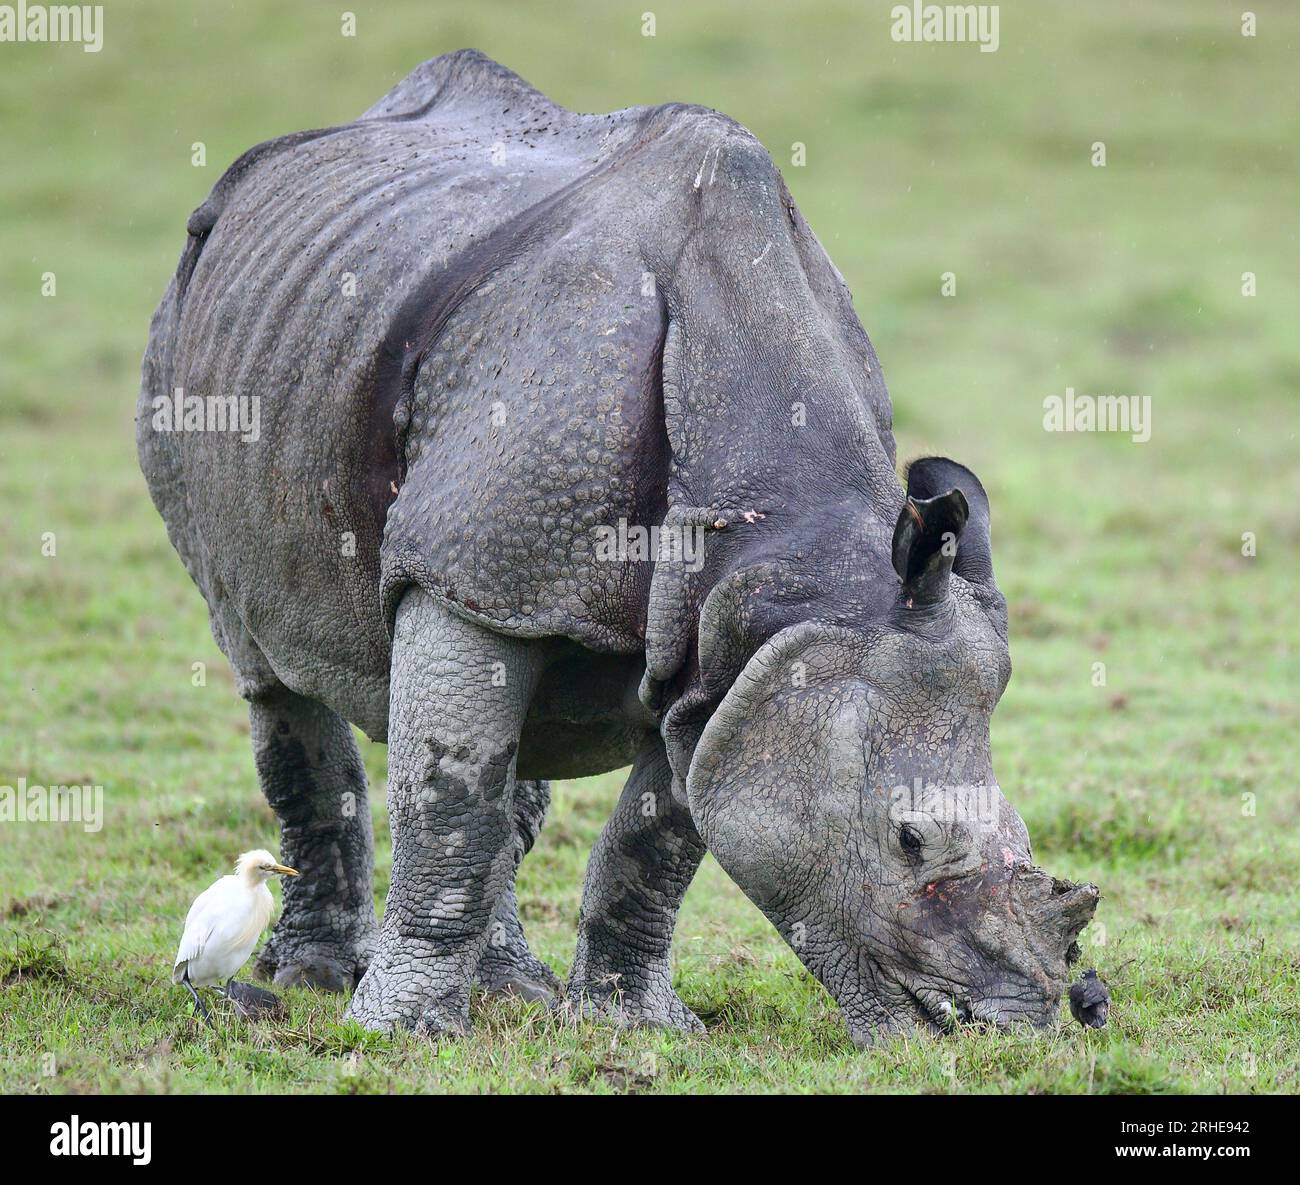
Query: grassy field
(1172, 785)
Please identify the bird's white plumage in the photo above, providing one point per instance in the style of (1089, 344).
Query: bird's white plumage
(221, 929)
(225, 922)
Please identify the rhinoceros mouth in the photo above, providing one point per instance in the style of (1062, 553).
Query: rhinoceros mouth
(942, 1011)
(933, 1011)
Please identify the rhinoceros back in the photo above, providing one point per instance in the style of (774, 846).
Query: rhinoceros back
(441, 398)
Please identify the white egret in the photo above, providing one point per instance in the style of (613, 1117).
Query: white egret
(224, 924)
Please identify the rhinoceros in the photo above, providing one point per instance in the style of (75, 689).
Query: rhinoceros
(538, 444)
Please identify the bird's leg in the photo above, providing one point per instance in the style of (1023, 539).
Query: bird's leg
(199, 1006)
(458, 699)
(312, 775)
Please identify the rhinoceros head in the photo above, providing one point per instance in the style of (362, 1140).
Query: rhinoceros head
(845, 783)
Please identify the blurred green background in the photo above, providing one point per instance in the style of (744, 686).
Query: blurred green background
(1173, 785)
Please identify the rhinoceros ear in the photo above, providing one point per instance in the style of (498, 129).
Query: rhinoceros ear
(925, 544)
(932, 476)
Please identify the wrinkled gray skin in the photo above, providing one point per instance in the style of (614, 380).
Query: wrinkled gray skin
(480, 327)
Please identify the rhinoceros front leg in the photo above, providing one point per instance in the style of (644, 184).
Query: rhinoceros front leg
(311, 773)
(458, 698)
(637, 875)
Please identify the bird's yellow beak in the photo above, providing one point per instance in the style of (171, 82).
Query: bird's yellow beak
(284, 870)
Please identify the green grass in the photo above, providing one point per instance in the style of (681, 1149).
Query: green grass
(921, 159)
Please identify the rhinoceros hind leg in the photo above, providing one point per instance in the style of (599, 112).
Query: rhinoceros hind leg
(312, 775)
(637, 875)
(507, 966)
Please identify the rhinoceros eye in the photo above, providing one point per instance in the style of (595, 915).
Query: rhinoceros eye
(910, 840)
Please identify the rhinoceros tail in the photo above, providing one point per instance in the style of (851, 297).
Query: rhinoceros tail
(202, 221)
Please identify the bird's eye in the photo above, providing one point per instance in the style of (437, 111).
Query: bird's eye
(910, 840)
